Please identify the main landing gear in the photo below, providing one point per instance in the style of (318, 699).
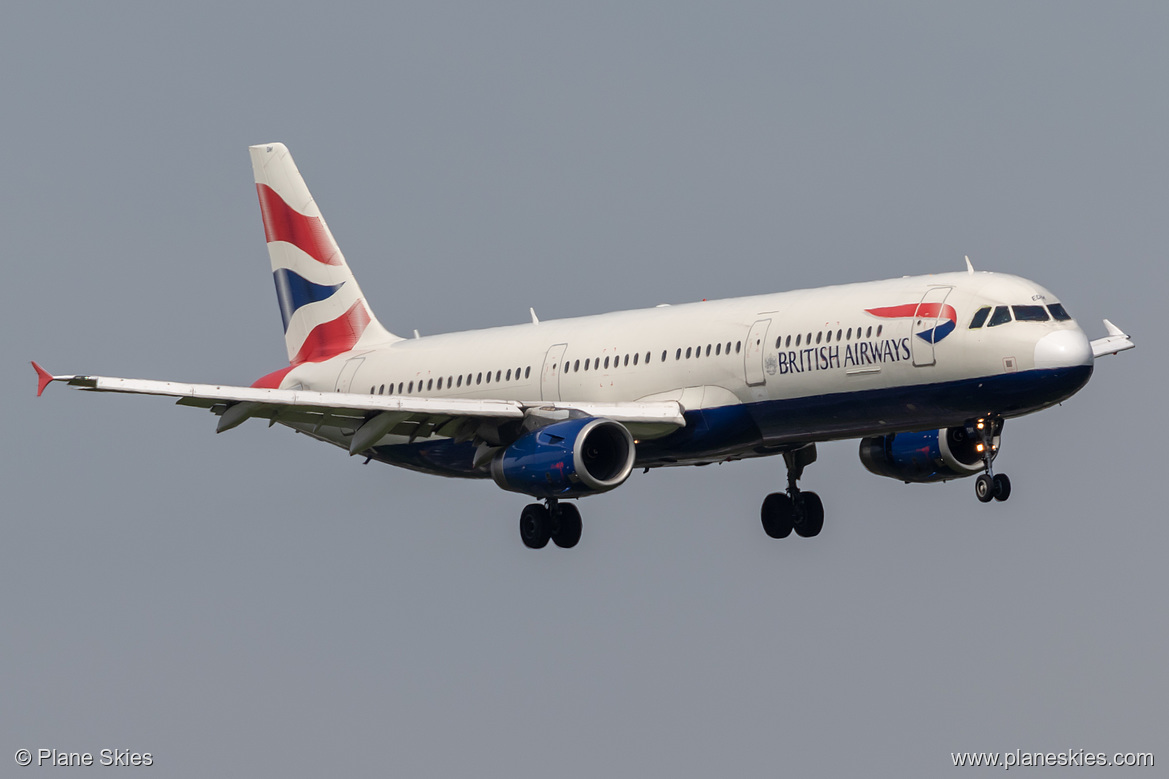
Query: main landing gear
(554, 520)
(795, 509)
(990, 485)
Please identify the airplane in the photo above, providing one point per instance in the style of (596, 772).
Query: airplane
(924, 370)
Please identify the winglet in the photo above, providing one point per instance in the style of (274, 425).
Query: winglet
(43, 378)
(1117, 341)
(969, 267)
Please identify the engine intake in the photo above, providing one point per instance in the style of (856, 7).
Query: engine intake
(567, 459)
(932, 455)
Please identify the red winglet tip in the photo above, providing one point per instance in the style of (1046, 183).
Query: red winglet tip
(43, 378)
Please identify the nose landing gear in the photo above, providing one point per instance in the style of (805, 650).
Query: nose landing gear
(795, 509)
(990, 485)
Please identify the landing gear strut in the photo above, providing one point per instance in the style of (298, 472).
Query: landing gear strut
(990, 485)
(795, 509)
(554, 520)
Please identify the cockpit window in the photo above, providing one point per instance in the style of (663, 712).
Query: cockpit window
(1030, 314)
(979, 317)
(1058, 313)
(1001, 315)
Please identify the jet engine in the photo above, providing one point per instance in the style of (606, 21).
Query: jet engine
(932, 455)
(566, 459)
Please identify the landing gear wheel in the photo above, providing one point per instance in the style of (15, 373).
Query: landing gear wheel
(778, 514)
(566, 526)
(535, 526)
(984, 487)
(811, 515)
(1002, 487)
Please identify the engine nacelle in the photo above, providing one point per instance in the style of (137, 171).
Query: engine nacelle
(567, 459)
(933, 455)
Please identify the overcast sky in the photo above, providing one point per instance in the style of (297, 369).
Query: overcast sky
(259, 604)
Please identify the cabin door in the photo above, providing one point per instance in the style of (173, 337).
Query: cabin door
(753, 352)
(348, 371)
(930, 325)
(550, 375)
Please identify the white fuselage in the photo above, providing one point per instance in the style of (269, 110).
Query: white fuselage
(805, 365)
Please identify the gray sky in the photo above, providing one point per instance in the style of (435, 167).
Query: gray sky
(260, 604)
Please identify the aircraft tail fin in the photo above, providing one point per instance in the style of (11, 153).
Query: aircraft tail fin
(323, 309)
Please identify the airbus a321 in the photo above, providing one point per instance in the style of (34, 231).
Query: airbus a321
(923, 370)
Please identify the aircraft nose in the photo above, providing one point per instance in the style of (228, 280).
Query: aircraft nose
(1063, 349)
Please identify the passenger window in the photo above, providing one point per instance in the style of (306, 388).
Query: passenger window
(708, 350)
(868, 333)
(429, 385)
(489, 373)
(879, 329)
(499, 375)
(729, 347)
(460, 381)
(479, 378)
(1030, 314)
(508, 377)
(678, 354)
(635, 356)
(527, 371)
(411, 389)
(738, 346)
(626, 360)
(606, 363)
(797, 338)
(383, 390)
(848, 335)
(688, 350)
(838, 335)
(440, 382)
(818, 337)
(647, 357)
(979, 317)
(1058, 313)
(829, 338)
(1001, 315)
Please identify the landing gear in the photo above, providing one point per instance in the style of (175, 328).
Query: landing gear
(990, 485)
(795, 509)
(557, 521)
(535, 526)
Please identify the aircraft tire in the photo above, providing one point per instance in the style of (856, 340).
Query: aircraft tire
(535, 526)
(984, 487)
(566, 526)
(778, 515)
(811, 521)
(1002, 486)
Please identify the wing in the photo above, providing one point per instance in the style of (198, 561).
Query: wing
(372, 417)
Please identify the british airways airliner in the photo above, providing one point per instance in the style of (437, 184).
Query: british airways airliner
(923, 370)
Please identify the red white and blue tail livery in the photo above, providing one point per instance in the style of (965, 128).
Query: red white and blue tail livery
(923, 370)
